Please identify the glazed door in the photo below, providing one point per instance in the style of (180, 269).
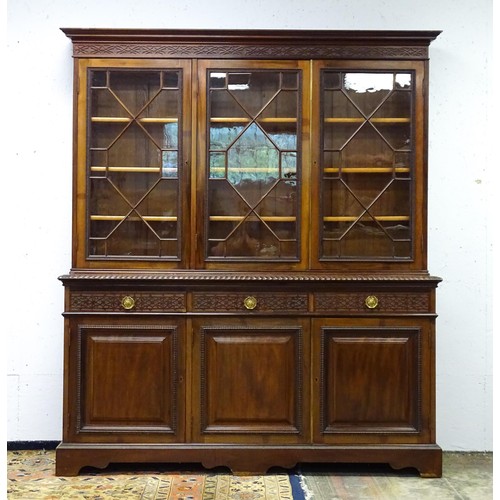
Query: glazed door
(253, 159)
(126, 381)
(133, 138)
(250, 380)
(373, 381)
(369, 165)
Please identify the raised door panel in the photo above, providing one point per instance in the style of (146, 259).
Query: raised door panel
(250, 381)
(372, 382)
(129, 382)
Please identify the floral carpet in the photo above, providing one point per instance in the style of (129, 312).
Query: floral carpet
(30, 476)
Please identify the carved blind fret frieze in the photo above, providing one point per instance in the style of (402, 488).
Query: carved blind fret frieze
(158, 49)
(387, 302)
(112, 301)
(272, 302)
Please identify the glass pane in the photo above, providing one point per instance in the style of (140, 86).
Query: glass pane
(134, 89)
(253, 163)
(134, 148)
(393, 120)
(366, 163)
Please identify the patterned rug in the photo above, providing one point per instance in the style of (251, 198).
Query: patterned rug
(30, 476)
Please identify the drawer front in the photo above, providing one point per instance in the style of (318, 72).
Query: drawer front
(257, 302)
(377, 302)
(127, 301)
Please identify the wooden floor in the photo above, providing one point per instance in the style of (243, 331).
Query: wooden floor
(465, 476)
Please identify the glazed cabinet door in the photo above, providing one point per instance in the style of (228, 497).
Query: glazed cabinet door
(126, 380)
(369, 165)
(132, 175)
(250, 380)
(253, 164)
(373, 381)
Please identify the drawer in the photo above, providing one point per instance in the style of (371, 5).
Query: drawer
(130, 301)
(376, 302)
(254, 301)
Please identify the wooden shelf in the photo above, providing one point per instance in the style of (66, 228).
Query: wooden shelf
(366, 170)
(388, 121)
(141, 170)
(237, 218)
(380, 218)
(125, 119)
(229, 119)
(246, 169)
(148, 218)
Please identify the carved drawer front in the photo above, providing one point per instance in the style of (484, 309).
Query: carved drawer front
(376, 302)
(241, 302)
(127, 301)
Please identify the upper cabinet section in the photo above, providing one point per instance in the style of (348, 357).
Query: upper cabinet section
(250, 150)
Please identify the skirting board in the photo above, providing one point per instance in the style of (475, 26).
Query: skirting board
(32, 445)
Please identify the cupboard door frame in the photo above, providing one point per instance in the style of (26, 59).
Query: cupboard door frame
(104, 412)
(387, 367)
(216, 417)
(418, 229)
(80, 257)
(201, 173)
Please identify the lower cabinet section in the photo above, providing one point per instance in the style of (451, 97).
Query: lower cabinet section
(249, 390)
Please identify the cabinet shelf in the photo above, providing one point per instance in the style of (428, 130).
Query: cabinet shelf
(367, 170)
(142, 170)
(380, 218)
(388, 121)
(125, 119)
(265, 218)
(245, 169)
(148, 218)
(248, 120)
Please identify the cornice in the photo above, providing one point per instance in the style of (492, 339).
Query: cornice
(246, 44)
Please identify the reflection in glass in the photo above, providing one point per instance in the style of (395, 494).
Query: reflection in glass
(368, 82)
(403, 80)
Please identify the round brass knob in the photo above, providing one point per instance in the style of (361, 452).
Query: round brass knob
(371, 302)
(128, 302)
(250, 302)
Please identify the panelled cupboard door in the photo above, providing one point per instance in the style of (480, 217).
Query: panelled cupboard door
(250, 381)
(253, 164)
(373, 381)
(133, 134)
(369, 165)
(126, 380)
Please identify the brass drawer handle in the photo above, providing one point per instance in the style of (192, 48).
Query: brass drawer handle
(128, 302)
(250, 302)
(371, 302)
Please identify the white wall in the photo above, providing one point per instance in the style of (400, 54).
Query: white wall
(37, 111)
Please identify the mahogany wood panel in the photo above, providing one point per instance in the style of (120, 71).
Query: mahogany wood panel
(128, 381)
(371, 380)
(250, 380)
